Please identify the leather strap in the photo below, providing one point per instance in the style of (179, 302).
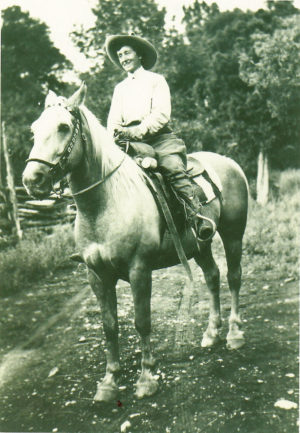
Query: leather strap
(159, 194)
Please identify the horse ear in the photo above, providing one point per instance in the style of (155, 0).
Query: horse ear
(51, 98)
(78, 97)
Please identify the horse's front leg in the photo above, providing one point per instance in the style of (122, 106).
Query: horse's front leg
(104, 288)
(141, 284)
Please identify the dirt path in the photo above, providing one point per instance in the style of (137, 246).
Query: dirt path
(51, 357)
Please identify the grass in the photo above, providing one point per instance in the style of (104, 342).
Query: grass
(289, 182)
(272, 235)
(34, 257)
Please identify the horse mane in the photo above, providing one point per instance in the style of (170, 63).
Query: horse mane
(108, 155)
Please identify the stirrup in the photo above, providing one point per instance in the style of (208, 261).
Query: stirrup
(214, 228)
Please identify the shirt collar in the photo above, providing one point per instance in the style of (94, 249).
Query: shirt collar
(136, 73)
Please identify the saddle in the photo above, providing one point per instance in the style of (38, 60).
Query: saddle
(206, 181)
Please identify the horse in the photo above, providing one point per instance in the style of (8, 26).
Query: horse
(119, 230)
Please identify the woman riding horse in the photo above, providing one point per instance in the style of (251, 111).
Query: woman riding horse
(119, 231)
(140, 111)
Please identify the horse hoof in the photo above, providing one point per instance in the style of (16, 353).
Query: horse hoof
(209, 341)
(146, 389)
(235, 342)
(106, 393)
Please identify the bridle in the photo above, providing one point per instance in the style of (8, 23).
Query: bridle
(59, 170)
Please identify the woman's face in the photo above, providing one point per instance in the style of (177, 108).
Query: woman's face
(129, 59)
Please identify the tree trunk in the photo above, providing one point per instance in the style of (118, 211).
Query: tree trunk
(11, 186)
(262, 183)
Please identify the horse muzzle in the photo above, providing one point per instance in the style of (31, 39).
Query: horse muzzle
(37, 180)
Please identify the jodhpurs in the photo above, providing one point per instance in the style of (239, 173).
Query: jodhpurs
(173, 167)
(171, 157)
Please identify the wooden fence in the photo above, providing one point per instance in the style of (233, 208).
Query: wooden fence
(42, 214)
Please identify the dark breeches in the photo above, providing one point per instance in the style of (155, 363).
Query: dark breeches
(171, 157)
(173, 167)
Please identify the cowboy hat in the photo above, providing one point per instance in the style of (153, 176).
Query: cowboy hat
(142, 47)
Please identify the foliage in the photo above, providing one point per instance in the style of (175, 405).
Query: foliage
(289, 182)
(232, 118)
(126, 17)
(272, 236)
(34, 257)
(30, 65)
(273, 71)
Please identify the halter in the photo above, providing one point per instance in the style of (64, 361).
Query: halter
(59, 170)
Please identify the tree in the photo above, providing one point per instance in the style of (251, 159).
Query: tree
(30, 65)
(273, 73)
(211, 98)
(206, 83)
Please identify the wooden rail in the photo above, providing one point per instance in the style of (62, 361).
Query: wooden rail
(42, 214)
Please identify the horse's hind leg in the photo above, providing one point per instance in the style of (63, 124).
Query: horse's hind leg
(212, 277)
(105, 291)
(233, 250)
(141, 283)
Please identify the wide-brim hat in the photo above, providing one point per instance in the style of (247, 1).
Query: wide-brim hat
(143, 48)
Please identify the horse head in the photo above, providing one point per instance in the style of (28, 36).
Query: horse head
(57, 134)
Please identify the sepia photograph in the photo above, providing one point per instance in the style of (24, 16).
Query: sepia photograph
(149, 216)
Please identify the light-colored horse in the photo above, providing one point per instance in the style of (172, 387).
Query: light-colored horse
(119, 230)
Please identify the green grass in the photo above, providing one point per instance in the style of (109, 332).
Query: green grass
(34, 257)
(289, 182)
(272, 236)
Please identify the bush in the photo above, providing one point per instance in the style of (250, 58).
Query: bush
(272, 236)
(289, 182)
(190, 133)
(34, 257)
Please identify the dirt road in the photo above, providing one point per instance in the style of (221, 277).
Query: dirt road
(52, 355)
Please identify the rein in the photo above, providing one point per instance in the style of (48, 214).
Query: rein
(58, 170)
(99, 182)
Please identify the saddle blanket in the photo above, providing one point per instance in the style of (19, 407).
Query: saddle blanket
(198, 170)
(206, 188)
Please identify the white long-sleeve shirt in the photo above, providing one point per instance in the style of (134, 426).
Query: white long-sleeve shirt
(143, 96)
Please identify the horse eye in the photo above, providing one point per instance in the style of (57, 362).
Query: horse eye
(63, 127)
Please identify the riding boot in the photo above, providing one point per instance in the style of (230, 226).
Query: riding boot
(201, 224)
